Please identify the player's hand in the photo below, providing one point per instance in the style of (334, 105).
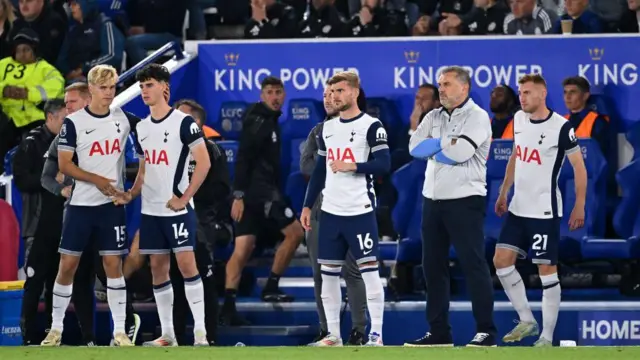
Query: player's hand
(237, 209)
(176, 203)
(105, 185)
(122, 198)
(501, 205)
(576, 220)
(305, 218)
(66, 192)
(341, 166)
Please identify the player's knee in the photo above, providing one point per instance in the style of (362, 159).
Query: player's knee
(67, 267)
(159, 265)
(504, 258)
(244, 246)
(294, 233)
(186, 263)
(330, 269)
(544, 270)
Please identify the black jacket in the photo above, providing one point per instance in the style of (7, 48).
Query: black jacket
(214, 194)
(257, 172)
(385, 23)
(281, 22)
(326, 22)
(51, 29)
(39, 207)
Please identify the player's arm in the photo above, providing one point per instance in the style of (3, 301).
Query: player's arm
(381, 162)
(139, 181)
(66, 150)
(309, 151)
(50, 170)
(421, 143)
(475, 131)
(509, 174)
(191, 136)
(569, 144)
(318, 177)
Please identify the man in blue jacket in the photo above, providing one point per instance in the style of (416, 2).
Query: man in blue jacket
(93, 40)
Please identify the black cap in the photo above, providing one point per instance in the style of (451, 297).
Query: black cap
(26, 36)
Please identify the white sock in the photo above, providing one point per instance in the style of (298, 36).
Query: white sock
(331, 297)
(516, 292)
(164, 302)
(551, 295)
(117, 299)
(61, 299)
(195, 296)
(375, 296)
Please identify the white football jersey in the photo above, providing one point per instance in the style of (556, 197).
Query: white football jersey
(352, 141)
(165, 146)
(99, 145)
(540, 147)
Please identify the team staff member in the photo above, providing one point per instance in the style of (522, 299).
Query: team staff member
(456, 139)
(503, 104)
(350, 272)
(258, 202)
(41, 217)
(212, 207)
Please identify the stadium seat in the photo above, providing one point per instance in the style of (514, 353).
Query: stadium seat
(629, 207)
(296, 150)
(8, 159)
(230, 149)
(496, 167)
(302, 116)
(600, 249)
(408, 181)
(230, 121)
(295, 190)
(386, 111)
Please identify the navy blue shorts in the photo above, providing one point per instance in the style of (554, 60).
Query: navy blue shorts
(161, 234)
(339, 234)
(105, 224)
(539, 238)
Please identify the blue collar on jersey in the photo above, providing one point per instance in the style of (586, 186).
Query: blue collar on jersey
(86, 108)
(162, 119)
(352, 119)
(543, 120)
(457, 107)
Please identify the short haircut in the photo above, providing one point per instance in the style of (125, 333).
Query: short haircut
(80, 87)
(155, 72)
(271, 81)
(578, 81)
(53, 106)
(461, 74)
(199, 111)
(349, 77)
(101, 74)
(436, 93)
(533, 78)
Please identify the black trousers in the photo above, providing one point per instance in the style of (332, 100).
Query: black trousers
(181, 310)
(459, 222)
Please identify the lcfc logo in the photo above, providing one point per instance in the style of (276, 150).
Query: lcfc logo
(231, 59)
(596, 54)
(412, 57)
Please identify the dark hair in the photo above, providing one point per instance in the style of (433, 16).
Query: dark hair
(579, 81)
(271, 81)
(153, 72)
(511, 93)
(436, 93)
(53, 106)
(199, 111)
(534, 78)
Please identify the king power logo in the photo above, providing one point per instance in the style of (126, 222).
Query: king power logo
(600, 72)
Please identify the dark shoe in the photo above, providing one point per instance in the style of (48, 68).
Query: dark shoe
(321, 335)
(483, 340)
(356, 338)
(276, 296)
(232, 318)
(430, 340)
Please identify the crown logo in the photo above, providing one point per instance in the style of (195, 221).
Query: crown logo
(231, 59)
(596, 53)
(412, 57)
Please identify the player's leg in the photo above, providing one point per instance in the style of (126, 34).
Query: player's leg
(332, 250)
(545, 244)
(183, 229)
(357, 296)
(512, 244)
(154, 244)
(293, 233)
(361, 233)
(312, 246)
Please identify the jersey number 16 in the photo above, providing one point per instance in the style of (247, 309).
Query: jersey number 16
(366, 242)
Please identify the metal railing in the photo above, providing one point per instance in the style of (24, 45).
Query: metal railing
(172, 46)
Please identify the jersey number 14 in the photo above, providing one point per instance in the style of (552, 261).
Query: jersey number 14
(179, 231)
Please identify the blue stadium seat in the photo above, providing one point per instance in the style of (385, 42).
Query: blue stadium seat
(296, 151)
(408, 181)
(386, 111)
(600, 249)
(230, 122)
(8, 159)
(496, 167)
(628, 209)
(404, 104)
(633, 137)
(302, 116)
(295, 190)
(230, 149)
(601, 104)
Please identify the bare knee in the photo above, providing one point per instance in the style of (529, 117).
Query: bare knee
(504, 258)
(112, 266)
(67, 268)
(244, 246)
(187, 264)
(159, 267)
(293, 233)
(544, 270)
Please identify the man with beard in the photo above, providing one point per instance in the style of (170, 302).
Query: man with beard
(504, 104)
(352, 277)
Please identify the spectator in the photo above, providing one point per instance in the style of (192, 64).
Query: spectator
(378, 18)
(630, 22)
(586, 122)
(487, 17)
(199, 116)
(527, 18)
(324, 20)
(28, 81)
(270, 19)
(48, 25)
(504, 103)
(154, 23)
(7, 17)
(610, 11)
(584, 21)
(94, 40)
(433, 12)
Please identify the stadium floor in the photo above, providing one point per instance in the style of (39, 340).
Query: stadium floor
(305, 353)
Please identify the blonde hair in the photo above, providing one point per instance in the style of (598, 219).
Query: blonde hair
(349, 76)
(534, 78)
(80, 87)
(101, 74)
(9, 11)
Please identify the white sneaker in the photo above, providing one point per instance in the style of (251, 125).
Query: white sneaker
(200, 338)
(54, 338)
(162, 341)
(329, 341)
(375, 339)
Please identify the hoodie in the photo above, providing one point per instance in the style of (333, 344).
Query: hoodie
(93, 42)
